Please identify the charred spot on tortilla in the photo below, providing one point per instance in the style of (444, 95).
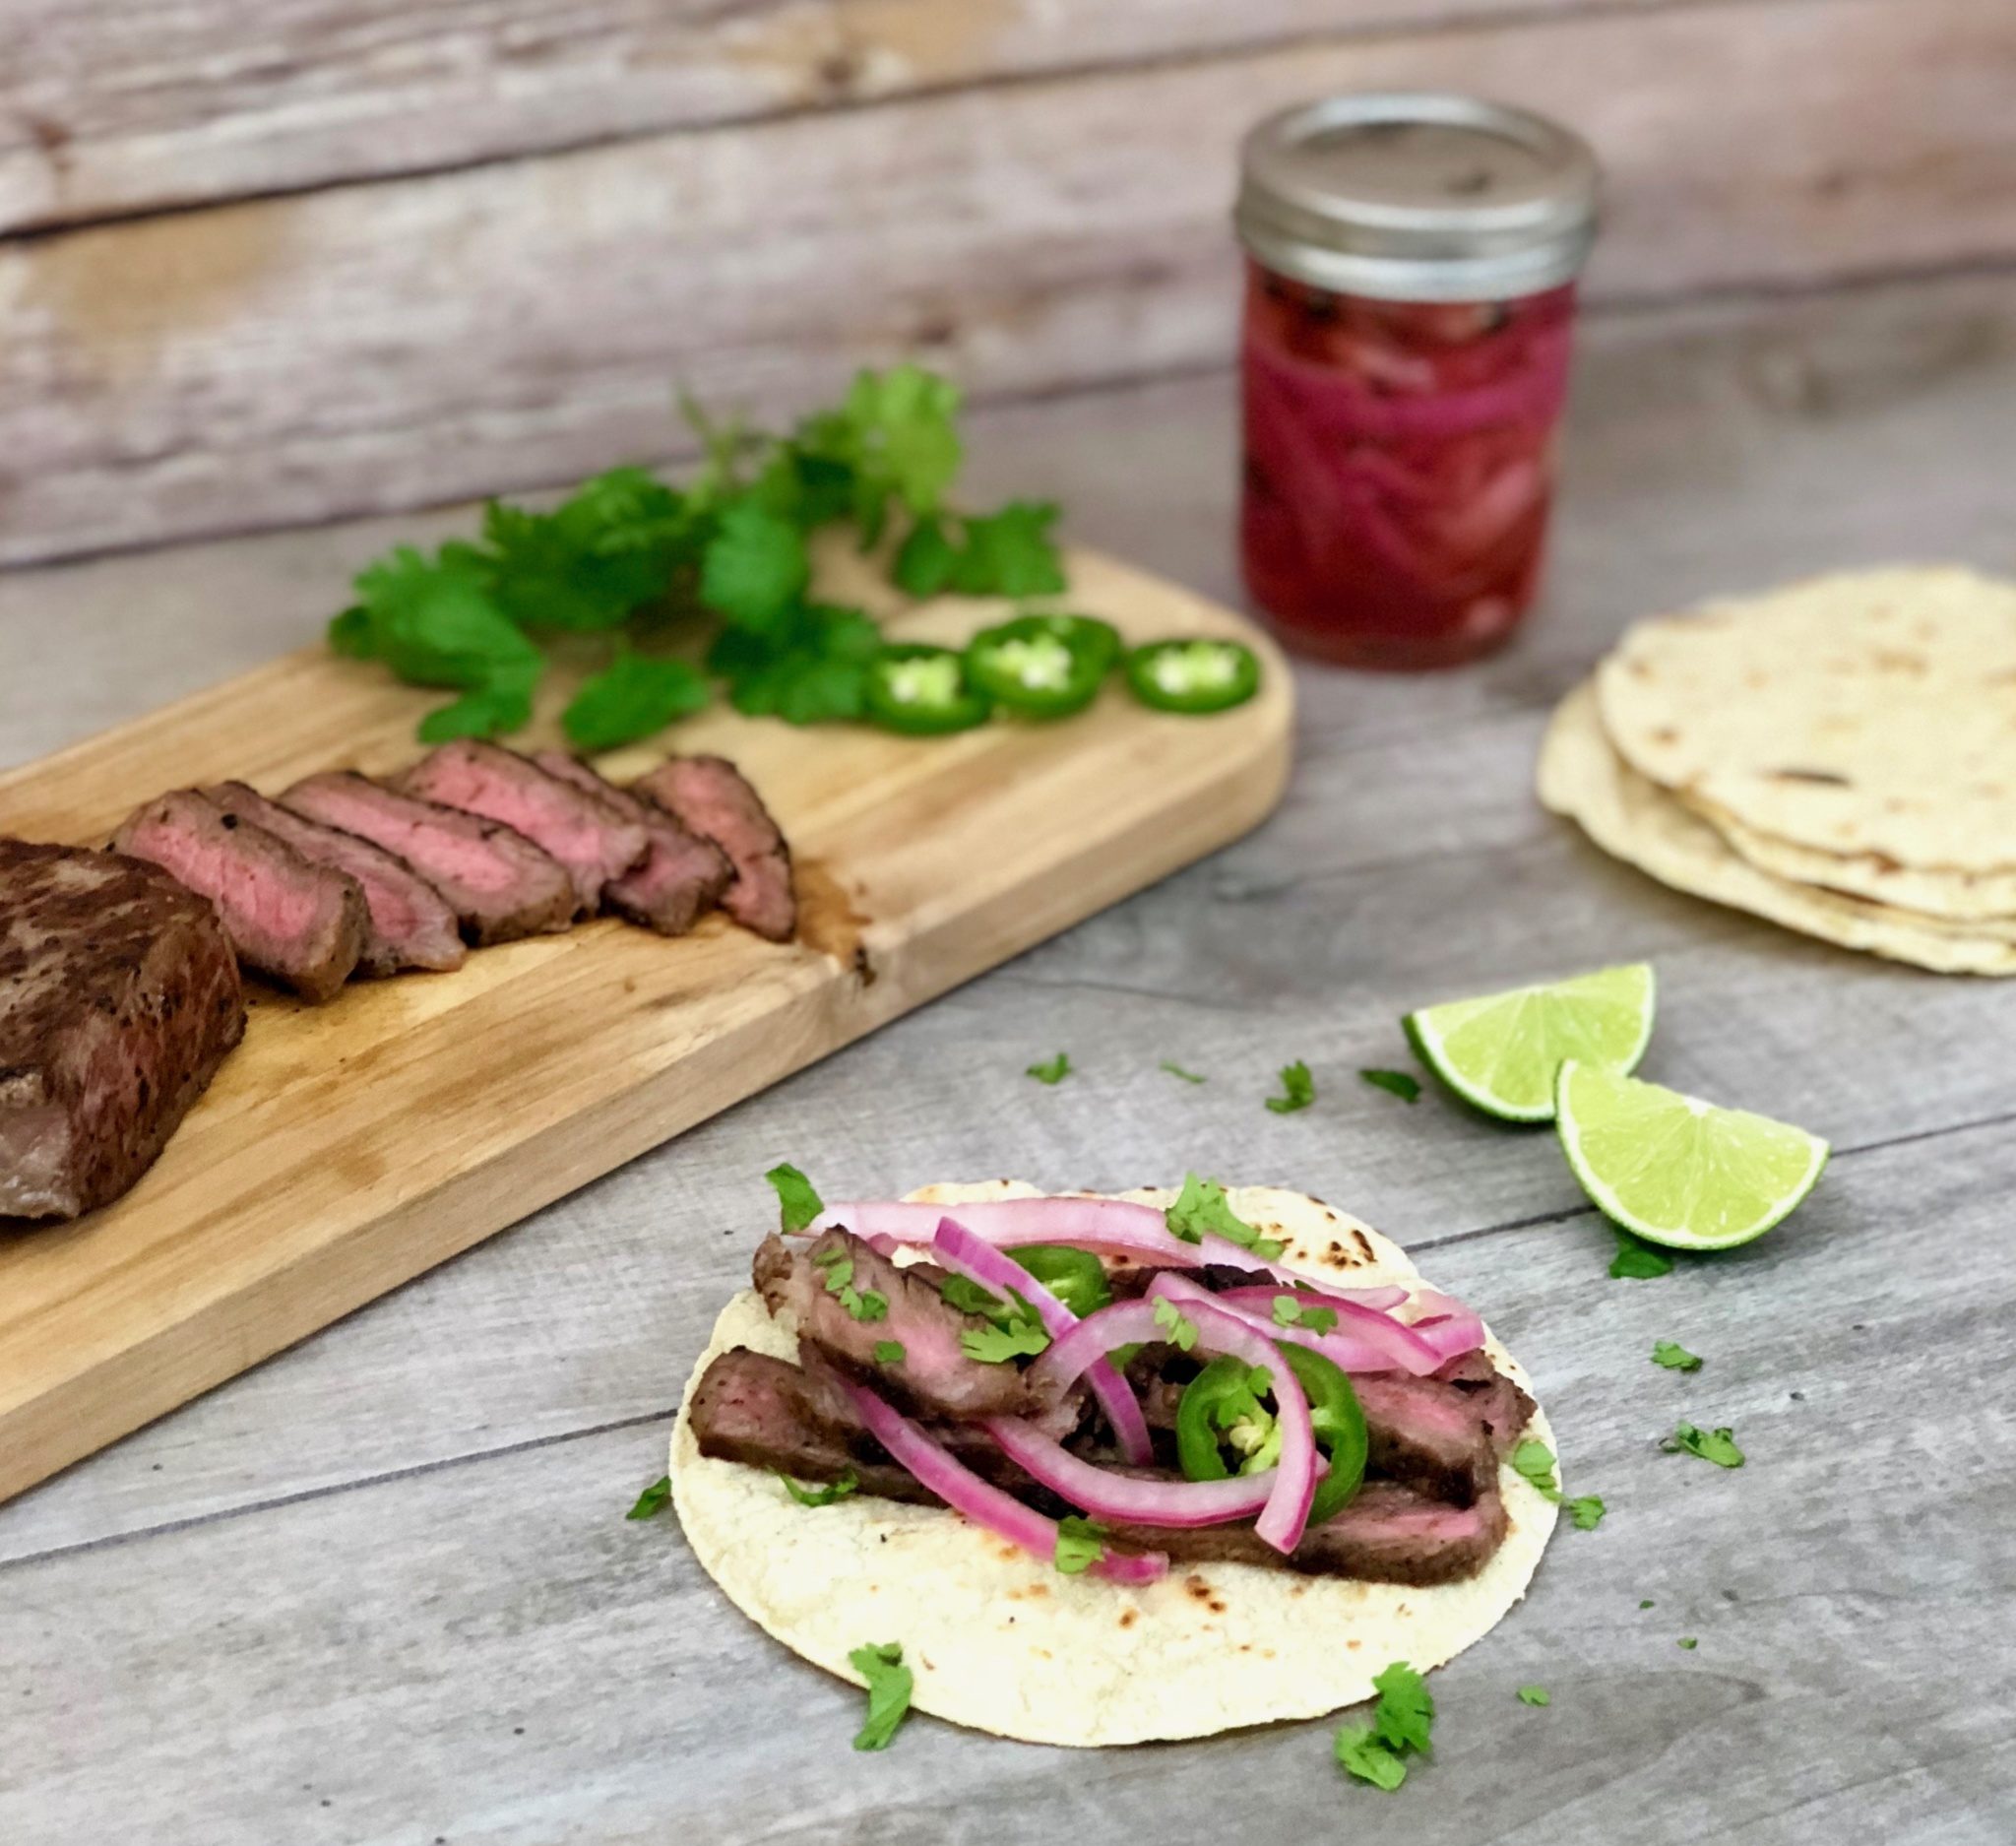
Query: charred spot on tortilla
(1821, 778)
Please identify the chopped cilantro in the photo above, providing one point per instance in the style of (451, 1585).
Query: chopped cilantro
(838, 1265)
(1289, 1312)
(1533, 1461)
(797, 1203)
(1394, 1082)
(966, 1295)
(820, 1496)
(1053, 1072)
(1400, 1721)
(1534, 1696)
(1017, 1332)
(1715, 1446)
(1298, 1089)
(1362, 1754)
(1647, 1603)
(889, 1689)
(1675, 1357)
(1176, 1070)
(1182, 1333)
(1638, 1261)
(1587, 1512)
(653, 1500)
(865, 1303)
(1077, 1545)
(1201, 1207)
(889, 1353)
(1689, 1643)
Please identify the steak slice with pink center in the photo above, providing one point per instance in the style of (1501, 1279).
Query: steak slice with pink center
(681, 875)
(596, 844)
(298, 924)
(501, 885)
(711, 797)
(412, 925)
(120, 997)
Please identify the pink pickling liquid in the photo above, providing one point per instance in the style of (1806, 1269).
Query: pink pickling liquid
(1399, 465)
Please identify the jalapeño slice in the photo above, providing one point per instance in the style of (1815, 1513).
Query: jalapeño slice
(1077, 1278)
(1042, 666)
(1193, 675)
(921, 692)
(1222, 1395)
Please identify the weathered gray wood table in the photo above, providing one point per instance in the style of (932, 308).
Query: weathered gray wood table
(381, 1589)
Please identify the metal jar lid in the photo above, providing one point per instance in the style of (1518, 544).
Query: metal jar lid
(1417, 197)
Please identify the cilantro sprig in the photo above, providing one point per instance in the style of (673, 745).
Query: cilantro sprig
(890, 1684)
(1715, 1446)
(715, 571)
(1202, 1207)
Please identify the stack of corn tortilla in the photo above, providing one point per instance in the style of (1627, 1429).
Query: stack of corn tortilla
(1838, 755)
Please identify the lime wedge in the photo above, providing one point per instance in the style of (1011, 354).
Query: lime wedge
(1501, 1051)
(1678, 1170)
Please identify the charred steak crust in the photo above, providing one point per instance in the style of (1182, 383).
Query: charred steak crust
(935, 1377)
(120, 997)
(297, 923)
(501, 885)
(411, 925)
(680, 878)
(594, 842)
(711, 797)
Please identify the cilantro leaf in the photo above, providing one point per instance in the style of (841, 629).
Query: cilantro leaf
(966, 1295)
(1689, 1643)
(653, 1500)
(1715, 1446)
(1405, 1710)
(836, 1489)
(1534, 1696)
(798, 1203)
(890, 1353)
(926, 561)
(1360, 1753)
(1647, 1603)
(1202, 1207)
(890, 1684)
(1077, 1545)
(1394, 1082)
(606, 552)
(486, 712)
(632, 697)
(1298, 1089)
(1052, 1072)
(865, 1303)
(1675, 1357)
(1180, 1332)
(893, 439)
(1533, 1461)
(995, 1346)
(811, 668)
(755, 568)
(1289, 1312)
(1176, 1070)
(1587, 1511)
(1005, 553)
(1638, 1261)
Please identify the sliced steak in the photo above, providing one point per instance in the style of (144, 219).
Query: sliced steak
(298, 924)
(681, 877)
(1428, 1435)
(935, 1378)
(709, 796)
(501, 886)
(1388, 1534)
(591, 840)
(120, 997)
(1503, 1407)
(411, 924)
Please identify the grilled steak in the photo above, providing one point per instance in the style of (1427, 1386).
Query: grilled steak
(501, 884)
(935, 1378)
(119, 998)
(411, 925)
(710, 796)
(1503, 1406)
(1388, 1534)
(591, 839)
(681, 877)
(299, 923)
(1427, 1435)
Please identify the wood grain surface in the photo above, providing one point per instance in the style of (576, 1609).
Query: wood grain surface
(523, 322)
(391, 1567)
(346, 1148)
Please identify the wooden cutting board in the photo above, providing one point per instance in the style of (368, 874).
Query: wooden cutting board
(344, 1149)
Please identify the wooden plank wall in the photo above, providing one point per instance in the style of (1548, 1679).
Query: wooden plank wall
(323, 257)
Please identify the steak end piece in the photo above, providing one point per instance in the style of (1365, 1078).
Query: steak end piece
(297, 923)
(680, 878)
(709, 796)
(411, 925)
(501, 885)
(593, 841)
(120, 997)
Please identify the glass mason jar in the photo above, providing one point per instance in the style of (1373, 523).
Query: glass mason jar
(1411, 265)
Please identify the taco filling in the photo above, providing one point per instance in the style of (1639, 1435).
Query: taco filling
(1113, 1386)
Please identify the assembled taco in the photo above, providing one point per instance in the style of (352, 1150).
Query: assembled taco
(1110, 1469)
